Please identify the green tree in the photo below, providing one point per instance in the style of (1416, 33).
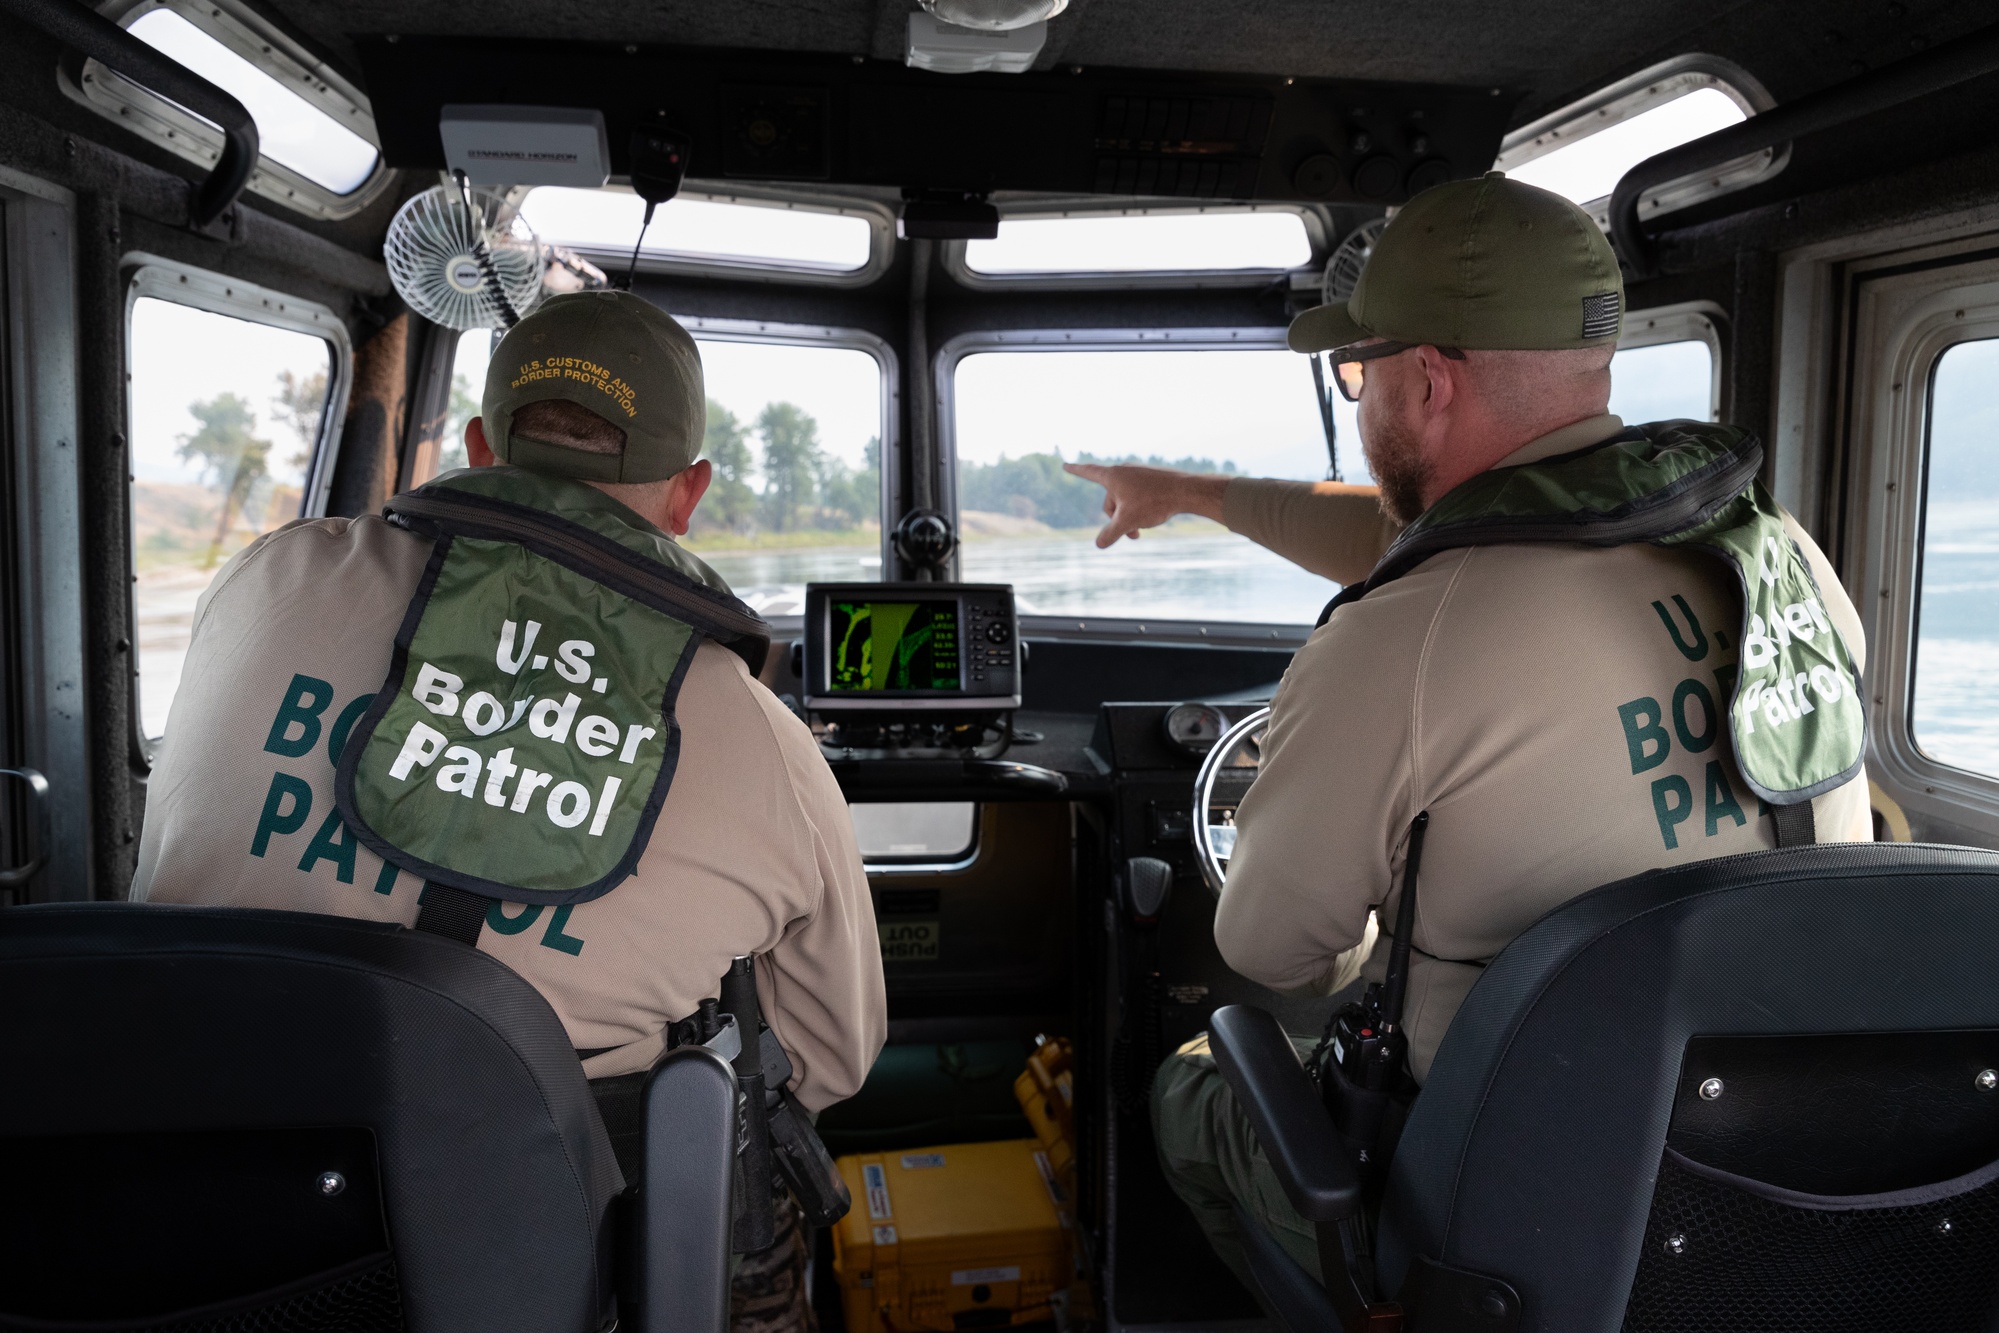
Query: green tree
(792, 464)
(226, 448)
(849, 496)
(464, 405)
(731, 502)
(299, 403)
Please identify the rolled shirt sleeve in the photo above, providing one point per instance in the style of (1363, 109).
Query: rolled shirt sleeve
(1334, 530)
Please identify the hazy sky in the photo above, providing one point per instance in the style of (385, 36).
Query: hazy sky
(181, 355)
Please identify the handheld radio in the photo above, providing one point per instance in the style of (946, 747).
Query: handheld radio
(1362, 1060)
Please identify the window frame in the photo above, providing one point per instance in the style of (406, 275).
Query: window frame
(151, 276)
(246, 33)
(1688, 321)
(1120, 628)
(1316, 231)
(880, 867)
(823, 335)
(46, 526)
(879, 217)
(1632, 96)
(1960, 305)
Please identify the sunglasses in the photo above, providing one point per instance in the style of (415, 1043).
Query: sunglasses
(1350, 364)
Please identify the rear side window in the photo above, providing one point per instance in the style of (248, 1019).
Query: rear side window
(1954, 711)
(229, 427)
(1663, 382)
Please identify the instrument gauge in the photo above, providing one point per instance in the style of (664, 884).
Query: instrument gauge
(1194, 728)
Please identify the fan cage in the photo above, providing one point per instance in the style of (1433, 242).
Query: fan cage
(432, 259)
(1349, 257)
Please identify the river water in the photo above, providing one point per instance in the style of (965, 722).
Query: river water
(1955, 713)
(1222, 578)
(1211, 577)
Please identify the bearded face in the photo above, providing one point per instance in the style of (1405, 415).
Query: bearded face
(1390, 435)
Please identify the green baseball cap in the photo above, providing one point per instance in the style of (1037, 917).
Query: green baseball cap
(618, 355)
(1488, 263)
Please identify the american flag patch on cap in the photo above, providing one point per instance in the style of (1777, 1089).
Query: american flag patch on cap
(1600, 314)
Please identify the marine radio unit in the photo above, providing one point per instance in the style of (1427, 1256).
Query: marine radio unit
(885, 648)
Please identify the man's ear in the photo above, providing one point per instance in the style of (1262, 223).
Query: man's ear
(477, 452)
(685, 493)
(1442, 375)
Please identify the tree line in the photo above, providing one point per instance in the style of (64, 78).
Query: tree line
(1035, 486)
(791, 484)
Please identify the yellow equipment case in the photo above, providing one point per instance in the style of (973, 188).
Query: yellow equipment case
(968, 1235)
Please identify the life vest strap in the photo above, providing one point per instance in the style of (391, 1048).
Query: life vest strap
(1796, 826)
(457, 914)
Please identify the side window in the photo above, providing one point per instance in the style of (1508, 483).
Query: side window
(1580, 151)
(1954, 703)
(794, 434)
(1019, 410)
(1663, 382)
(230, 427)
(317, 147)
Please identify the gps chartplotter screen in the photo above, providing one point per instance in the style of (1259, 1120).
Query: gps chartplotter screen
(893, 646)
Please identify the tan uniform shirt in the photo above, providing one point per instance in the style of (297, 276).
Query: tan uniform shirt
(1557, 709)
(753, 851)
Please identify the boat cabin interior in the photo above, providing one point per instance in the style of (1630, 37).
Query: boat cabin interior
(256, 256)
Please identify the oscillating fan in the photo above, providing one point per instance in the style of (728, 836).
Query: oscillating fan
(1349, 258)
(464, 258)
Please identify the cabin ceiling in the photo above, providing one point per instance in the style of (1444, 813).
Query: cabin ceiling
(1551, 50)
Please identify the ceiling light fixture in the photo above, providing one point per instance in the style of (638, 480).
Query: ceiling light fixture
(993, 15)
(947, 48)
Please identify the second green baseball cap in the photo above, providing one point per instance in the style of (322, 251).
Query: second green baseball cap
(618, 355)
(1488, 263)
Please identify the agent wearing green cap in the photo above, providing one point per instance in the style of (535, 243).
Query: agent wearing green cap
(1585, 649)
(515, 687)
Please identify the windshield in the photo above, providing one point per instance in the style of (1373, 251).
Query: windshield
(1020, 414)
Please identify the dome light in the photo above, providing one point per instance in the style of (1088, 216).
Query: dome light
(993, 15)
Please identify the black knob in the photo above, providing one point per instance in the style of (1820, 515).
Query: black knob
(997, 632)
(924, 539)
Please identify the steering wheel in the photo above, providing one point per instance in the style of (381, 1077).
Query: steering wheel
(1231, 765)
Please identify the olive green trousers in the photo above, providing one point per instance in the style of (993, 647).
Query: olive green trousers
(1213, 1161)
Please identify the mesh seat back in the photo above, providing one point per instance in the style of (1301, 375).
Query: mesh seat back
(1533, 1153)
(182, 1079)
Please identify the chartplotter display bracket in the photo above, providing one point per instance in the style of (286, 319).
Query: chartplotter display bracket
(911, 648)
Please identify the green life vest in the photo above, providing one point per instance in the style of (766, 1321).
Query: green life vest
(524, 740)
(1795, 713)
